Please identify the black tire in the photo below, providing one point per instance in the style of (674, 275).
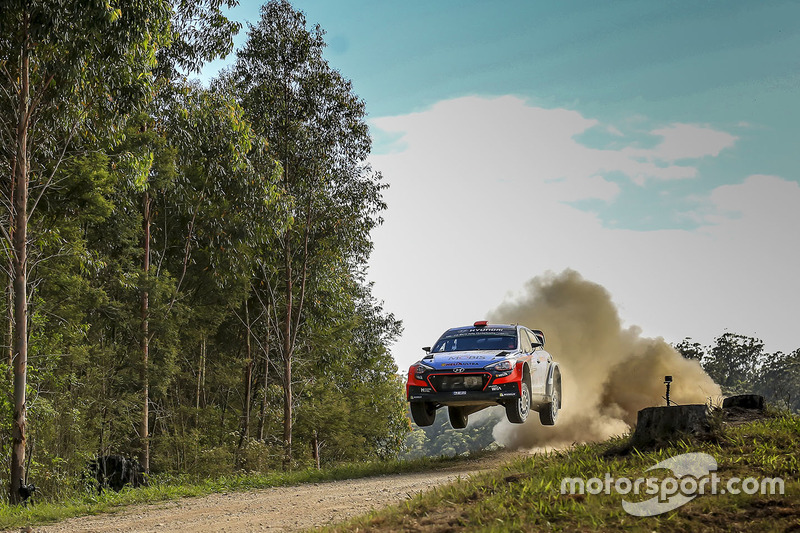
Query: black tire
(423, 413)
(517, 411)
(458, 417)
(548, 413)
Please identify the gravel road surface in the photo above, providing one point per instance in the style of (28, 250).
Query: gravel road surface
(294, 508)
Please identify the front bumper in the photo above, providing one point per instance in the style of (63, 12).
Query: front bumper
(459, 387)
(498, 393)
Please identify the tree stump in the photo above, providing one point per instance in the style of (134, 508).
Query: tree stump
(661, 425)
(744, 401)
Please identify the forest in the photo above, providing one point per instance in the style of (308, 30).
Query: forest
(185, 264)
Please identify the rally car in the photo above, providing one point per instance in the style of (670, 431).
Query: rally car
(474, 367)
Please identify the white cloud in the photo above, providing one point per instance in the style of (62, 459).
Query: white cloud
(477, 207)
(686, 141)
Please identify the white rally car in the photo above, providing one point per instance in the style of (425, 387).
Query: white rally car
(474, 367)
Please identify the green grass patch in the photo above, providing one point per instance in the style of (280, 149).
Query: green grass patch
(525, 495)
(171, 487)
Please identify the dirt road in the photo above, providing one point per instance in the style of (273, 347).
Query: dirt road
(279, 509)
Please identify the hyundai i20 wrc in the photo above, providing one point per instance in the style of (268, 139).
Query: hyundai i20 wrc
(474, 367)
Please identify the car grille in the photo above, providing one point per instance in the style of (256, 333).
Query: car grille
(446, 383)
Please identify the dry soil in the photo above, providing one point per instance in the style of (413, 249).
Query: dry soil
(294, 508)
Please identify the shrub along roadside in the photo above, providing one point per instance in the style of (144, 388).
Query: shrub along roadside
(525, 495)
(166, 487)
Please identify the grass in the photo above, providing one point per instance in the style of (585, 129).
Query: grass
(525, 495)
(163, 488)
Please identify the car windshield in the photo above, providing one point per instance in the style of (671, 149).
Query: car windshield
(476, 341)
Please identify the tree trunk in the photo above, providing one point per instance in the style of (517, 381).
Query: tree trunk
(9, 332)
(145, 422)
(20, 265)
(201, 368)
(262, 420)
(315, 448)
(248, 382)
(287, 358)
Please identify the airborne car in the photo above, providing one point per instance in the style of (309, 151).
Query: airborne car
(474, 367)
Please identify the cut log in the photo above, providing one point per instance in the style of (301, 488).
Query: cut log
(744, 401)
(661, 425)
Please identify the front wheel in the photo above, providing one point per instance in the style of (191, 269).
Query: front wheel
(549, 412)
(458, 417)
(423, 413)
(517, 412)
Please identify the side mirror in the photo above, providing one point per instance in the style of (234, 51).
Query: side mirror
(539, 334)
(427, 349)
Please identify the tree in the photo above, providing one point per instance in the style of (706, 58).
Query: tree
(690, 350)
(199, 183)
(71, 70)
(315, 128)
(778, 379)
(733, 361)
(199, 32)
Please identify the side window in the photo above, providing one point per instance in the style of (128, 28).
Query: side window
(532, 338)
(525, 341)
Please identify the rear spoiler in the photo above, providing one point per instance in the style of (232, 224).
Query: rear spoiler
(539, 335)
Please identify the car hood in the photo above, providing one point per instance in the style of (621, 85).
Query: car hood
(467, 360)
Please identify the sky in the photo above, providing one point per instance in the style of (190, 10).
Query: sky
(650, 146)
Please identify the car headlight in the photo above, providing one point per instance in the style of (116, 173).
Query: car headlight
(500, 366)
(421, 369)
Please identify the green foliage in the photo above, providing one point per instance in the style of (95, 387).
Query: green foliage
(690, 350)
(778, 380)
(89, 65)
(733, 361)
(200, 32)
(237, 188)
(440, 439)
(739, 364)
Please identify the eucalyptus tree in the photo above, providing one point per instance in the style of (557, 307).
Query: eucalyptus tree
(316, 129)
(71, 70)
(199, 32)
(734, 361)
(205, 203)
(216, 214)
(353, 407)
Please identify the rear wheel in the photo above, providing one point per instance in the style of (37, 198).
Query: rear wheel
(458, 417)
(549, 411)
(423, 413)
(517, 412)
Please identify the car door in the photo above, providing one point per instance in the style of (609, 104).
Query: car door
(539, 364)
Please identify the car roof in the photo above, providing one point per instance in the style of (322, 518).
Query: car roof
(493, 328)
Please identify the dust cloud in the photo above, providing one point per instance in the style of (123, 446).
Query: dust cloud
(609, 372)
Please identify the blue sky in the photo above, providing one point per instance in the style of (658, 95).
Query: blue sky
(654, 144)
